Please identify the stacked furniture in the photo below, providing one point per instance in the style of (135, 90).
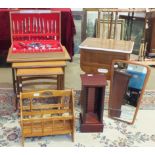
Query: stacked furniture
(26, 71)
(36, 53)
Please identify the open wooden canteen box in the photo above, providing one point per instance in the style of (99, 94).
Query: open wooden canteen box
(36, 31)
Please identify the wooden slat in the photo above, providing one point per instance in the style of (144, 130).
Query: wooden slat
(48, 106)
(39, 64)
(48, 123)
(39, 71)
(27, 134)
(43, 122)
(55, 118)
(39, 77)
(52, 82)
(43, 112)
(52, 93)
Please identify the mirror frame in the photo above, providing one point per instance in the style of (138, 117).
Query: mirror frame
(142, 91)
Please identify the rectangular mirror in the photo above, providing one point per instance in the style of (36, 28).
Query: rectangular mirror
(127, 86)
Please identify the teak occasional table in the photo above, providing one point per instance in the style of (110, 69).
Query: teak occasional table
(35, 60)
(92, 100)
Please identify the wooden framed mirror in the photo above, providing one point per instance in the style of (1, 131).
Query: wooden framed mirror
(128, 82)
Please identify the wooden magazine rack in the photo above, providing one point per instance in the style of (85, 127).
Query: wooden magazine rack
(49, 112)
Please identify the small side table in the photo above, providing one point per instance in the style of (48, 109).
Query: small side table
(92, 102)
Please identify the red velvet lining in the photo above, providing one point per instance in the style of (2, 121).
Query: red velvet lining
(42, 28)
(36, 46)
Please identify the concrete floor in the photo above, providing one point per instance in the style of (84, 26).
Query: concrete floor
(72, 76)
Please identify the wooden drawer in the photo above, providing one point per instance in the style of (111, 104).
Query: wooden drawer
(92, 60)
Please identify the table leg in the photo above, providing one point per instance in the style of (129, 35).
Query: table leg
(62, 82)
(58, 82)
(64, 78)
(14, 81)
(19, 89)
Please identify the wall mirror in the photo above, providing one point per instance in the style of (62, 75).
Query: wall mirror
(127, 86)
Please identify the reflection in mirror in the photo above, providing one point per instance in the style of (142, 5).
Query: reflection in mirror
(128, 82)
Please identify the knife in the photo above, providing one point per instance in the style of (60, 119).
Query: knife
(29, 23)
(25, 25)
(39, 25)
(13, 27)
(51, 26)
(55, 28)
(17, 26)
(22, 26)
(36, 26)
(47, 26)
(33, 21)
(43, 26)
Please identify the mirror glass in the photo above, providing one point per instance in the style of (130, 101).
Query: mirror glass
(127, 87)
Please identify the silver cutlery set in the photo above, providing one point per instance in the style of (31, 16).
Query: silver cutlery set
(37, 27)
(36, 46)
(34, 33)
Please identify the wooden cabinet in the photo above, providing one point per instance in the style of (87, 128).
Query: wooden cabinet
(96, 53)
(92, 100)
